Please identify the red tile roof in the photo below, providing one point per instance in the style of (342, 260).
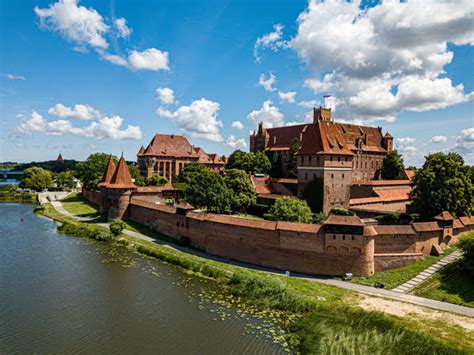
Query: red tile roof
(323, 137)
(394, 229)
(121, 178)
(298, 227)
(170, 145)
(410, 174)
(444, 216)
(108, 173)
(260, 185)
(60, 159)
(467, 221)
(381, 182)
(426, 226)
(282, 137)
(344, 220)
(141, 151)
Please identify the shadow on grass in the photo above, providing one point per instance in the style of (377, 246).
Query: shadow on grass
(456, 280)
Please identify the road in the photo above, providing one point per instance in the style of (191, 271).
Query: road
(372, 291)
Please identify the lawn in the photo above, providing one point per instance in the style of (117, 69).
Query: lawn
(452, 284)
(76, 204)
(395, 277)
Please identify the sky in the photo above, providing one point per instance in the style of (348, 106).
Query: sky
(79, 77)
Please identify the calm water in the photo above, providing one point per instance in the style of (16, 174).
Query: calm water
(69, 295)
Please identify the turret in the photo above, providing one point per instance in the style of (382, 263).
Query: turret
(321, 114)
(388, 142)
(120, 189)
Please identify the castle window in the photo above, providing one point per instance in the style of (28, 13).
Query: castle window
(338, 158)
(343, 237)
(332, 176)
(306, 176)
(352, 237)
(343, 176)
(330, 158)
(309, 159)
(302, 160)
(334, 236)
(317, 159)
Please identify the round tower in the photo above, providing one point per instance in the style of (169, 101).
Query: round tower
(119, 191)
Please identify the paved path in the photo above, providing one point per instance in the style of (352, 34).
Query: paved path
(426, 274)
(372, 291)
(45, 197)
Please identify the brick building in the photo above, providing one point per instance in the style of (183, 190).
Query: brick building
(336, 153)
(167, 154)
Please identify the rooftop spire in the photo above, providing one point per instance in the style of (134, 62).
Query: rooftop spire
(108, 173)
(121, 178)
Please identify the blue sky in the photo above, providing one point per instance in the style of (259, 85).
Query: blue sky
(380, 65)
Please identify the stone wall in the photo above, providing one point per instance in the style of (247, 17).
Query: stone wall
(92, 196)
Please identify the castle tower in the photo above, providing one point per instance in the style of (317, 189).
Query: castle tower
(106, 178)
(119, 191)
(388, 142)
(60, 159)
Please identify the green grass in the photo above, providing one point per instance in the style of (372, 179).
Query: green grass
(250, 216)
(319, 318)
(452, 284)
(396, 277)
(140, 228)
(76, 204)
(21, 197)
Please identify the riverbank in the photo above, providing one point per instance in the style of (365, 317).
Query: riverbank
(18, 197)
(319, 318)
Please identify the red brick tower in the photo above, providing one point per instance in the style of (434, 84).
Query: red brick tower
(106, 178)
(119, 191)
(60, 159)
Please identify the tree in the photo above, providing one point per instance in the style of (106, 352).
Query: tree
(291, 210)
(392, 167)
(313, 194)
(64, 180)
(249, 162)
(341, 212)
(243, 192)
(442, 184)
(37, 179)
(117, 226)
(467, 244)
(136, 175)
(276, 166)
(90, 172)
(207, 189)
(191, 169)
(156, 180)
(292, 170)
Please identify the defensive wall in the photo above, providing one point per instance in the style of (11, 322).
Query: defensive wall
(342, 244)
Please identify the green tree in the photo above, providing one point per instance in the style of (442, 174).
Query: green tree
(341, 212)
(292, 170)
(291, 210)
(136, 175)
(191, 169)
(467, 244)
(156, 180)
(392, 167)
(442, 184)
(207, 189)
(117, 226)
(276, 166)
(64, 180)
(37, 179)
(249, 162)
(90, 172)
(243, 192)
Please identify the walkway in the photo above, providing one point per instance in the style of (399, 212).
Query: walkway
(45, 197)
(372, 291)
(426, 274)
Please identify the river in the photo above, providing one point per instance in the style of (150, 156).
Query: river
(62, 294)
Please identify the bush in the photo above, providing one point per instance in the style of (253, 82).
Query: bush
(102, 236)
(290, 210)
(467, 244)
(319, 218)
(341, 212)
(258, 209)
(117, 226)
(397, 218)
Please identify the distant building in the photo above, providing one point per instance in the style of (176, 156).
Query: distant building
(167, 154)
(60, 159)
(338, 153)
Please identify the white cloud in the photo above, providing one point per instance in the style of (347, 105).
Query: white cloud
(86, 28)
(150, 59)
(381, 60)
(403, 142)
(267, 84)
(82, 112)
(199, 119)
(105, 127)
(78, 24)
(237, 125)
(465, 145)
(13, 77)
(165, 95)
(308, 104)
(123, 30)
(268, 114)
(438, 139)
(272, 40)
(236, 143)
(288, 96)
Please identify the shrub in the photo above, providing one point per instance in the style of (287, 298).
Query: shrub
(291, 210)
(341, 212)
(467, 244)
(117, 226)
(102, 236)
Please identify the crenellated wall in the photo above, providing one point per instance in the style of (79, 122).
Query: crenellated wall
(298, 247)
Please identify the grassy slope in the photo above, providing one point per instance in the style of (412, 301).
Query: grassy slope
(320, 318)
(76, 204)
(395, 277)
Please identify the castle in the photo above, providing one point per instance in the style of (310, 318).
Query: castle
(337, 153)
(167, 154)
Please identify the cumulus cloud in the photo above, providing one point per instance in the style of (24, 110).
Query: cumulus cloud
(308, 104)
(237, 125)
(235, 143)
(381, 60)
(105, 127)
(267, 83)
(465, 144)
(80, 111)
(150, 59)
(438, 139)
(123, 30)
(272, 40)
(165, 95)
(86, 28)
(199, 119)
(268, 114)
(78, 24)
(288, 96)
(13, 77)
